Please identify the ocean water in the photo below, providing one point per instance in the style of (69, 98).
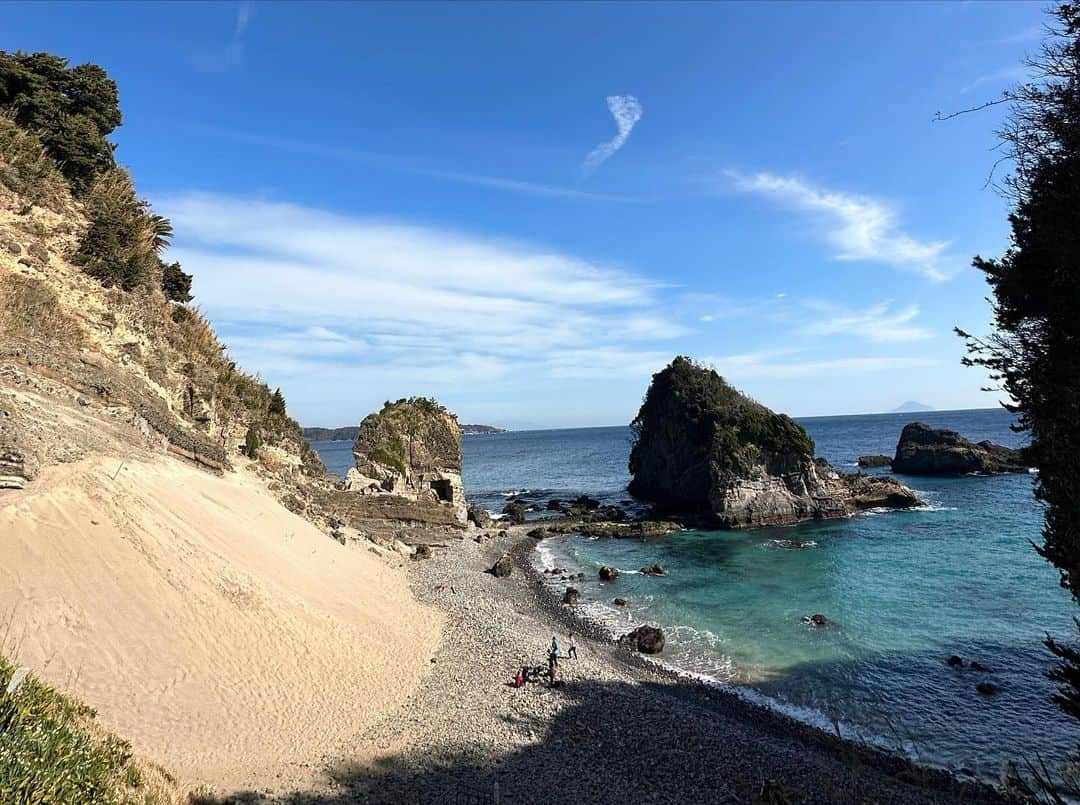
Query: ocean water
(903, 591)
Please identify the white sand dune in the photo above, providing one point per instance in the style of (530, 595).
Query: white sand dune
(222, 635)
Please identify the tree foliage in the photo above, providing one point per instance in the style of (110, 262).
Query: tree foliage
(175, 283)
(1034, 350)
(71, 109)
(117, 247)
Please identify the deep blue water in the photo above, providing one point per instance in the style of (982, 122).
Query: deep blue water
(904, 590)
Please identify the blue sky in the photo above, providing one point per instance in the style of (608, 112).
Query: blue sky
(525, 210)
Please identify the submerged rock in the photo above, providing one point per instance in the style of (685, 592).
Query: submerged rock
(653, 570)
(955, 662)
(608, 573)
(987, 688)
(645, 639)
(923, 450)
(817, 619)
(705, 448)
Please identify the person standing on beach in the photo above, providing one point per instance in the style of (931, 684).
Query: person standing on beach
(571, 652)
(553, 652)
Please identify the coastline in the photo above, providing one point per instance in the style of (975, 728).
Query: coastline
(597, 738)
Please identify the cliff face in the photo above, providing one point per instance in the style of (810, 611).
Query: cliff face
(703, 447)
(410, 449)
(922, 450)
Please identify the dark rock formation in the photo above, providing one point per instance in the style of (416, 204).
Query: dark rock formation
(955, 662)
(515, 512)
(479, 517)
(987, 688)
(923, 450)
(503, 567)
(571, 596)
(703, 447)
(817, 619)
(874, 461)
(646, 639)
(653, 570)
(608, 573)
(412, 449)
(619, 602)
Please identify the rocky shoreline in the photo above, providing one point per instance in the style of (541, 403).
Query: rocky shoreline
(600, 736)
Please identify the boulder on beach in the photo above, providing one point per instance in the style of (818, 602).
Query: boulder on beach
(515, 512)
(874, 461)
(571, 596)
(608, 573)
(645, 639)
(619, 602)
(479, 517)
(923, 450)
(704, 448)
(503, 567)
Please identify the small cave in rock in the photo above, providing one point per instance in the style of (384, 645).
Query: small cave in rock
(444, 489)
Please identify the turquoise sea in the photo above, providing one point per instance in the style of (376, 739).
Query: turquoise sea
(904, 591)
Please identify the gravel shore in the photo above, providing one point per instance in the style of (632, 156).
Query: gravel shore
(618, 730)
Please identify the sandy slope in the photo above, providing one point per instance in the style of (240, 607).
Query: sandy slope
(222, 635)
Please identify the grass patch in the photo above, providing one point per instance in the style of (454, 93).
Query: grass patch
(50, 750)
(26, 169)
(29, 307)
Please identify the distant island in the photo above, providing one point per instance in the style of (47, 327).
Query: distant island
(910, 407)
(348, 434)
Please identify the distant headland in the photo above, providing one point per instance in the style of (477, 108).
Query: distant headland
(348, 434)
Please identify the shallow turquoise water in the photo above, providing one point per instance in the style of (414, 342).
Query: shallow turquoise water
(904, 590)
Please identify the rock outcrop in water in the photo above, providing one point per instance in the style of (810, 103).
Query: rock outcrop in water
(923, 450)
(410, 449)
(702, 447)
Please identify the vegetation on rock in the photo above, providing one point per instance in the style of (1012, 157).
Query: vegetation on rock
(722, 433)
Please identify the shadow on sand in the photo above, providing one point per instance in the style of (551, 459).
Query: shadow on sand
(640, 743)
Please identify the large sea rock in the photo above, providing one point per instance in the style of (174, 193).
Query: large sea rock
(702, 447)
(410, 449)
(923, 450)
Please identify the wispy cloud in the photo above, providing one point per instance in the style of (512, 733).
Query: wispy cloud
(410, 165)
(765, 365)
(232, 53)
(1005, 75)
(627, 111)
(877, 323)
(860, 228)
(321, 299)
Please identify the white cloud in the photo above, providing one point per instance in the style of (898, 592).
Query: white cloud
(876, 323)
(328, 299)
(860, 228)
(218, 59)
(737, 368)
(627, 111)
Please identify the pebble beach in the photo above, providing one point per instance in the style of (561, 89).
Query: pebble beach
(618, 729)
